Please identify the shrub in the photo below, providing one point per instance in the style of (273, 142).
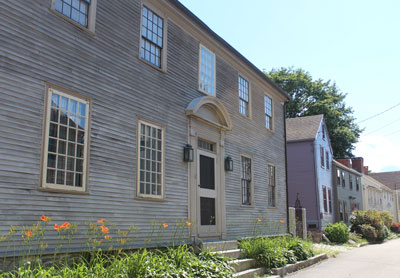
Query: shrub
(387, 218)
(276, 252)
(395, 228)
(370, 224)
(338, 232)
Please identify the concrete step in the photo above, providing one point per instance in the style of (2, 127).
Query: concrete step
(233, 254)
(242, 264)
(220, 245)
(250, 273)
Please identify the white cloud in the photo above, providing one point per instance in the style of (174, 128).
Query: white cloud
(380, 154)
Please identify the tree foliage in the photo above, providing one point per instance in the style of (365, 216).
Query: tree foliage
(313, 97)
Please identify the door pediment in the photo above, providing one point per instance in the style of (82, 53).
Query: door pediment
(211, 111)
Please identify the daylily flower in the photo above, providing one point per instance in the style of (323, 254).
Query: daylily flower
(258, 220)
(45, 218)
(188, 223)
(66, 225)
(104, 229)
(165, 225)
(57, 227)
(29, 233)
(100, 221)
(282, 221)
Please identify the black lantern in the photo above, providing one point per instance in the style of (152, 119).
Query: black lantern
(188, 153)
(228, 164)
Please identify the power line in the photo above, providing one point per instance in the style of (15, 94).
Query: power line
(395, 121)
(376, 115)
(390, 134)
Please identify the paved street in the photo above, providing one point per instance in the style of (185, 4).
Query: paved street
(378, 261)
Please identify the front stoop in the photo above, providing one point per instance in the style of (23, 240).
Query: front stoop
(244, 268)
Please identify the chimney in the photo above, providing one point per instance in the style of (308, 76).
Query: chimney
(345, 161)
(358, 164)
(365, 170)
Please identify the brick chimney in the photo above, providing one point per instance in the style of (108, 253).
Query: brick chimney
(358, 164)
(345, 161)
(365, 170)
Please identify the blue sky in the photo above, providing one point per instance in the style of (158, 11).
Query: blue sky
(353, 43)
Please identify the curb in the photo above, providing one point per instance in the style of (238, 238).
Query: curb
(282, 271)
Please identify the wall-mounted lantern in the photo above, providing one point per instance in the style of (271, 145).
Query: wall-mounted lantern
(188, 153)
(228, 164)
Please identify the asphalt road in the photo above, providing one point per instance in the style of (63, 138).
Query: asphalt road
(377, 261)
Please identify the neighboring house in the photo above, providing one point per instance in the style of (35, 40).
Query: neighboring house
(377, 195)
(101, 99)
(391, 180)
(309, 155)
(347, 190)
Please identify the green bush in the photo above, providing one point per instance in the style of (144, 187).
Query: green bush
(370, 224)
(338, 232)
(276, 252)
(170, 263)
(387, 218)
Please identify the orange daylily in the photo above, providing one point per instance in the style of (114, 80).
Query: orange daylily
(188, 223)
(28, 233)
(45, 218)
(57, 227)
(165, 225)
(65, 225)
(258, 220)
(100, 221)
(282, 221)
(104, 229)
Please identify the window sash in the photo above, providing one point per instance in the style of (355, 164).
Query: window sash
(327, 159)
(325, 199)
(243, 86)
(268, 112)
(76, 10)
(272, 185)
(152, 37)
(150, 169)
(65, 142)
(207, 71)
(246, 180)
(330, 199)
(322, 157)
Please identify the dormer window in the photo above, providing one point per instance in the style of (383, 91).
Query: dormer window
(323, 132)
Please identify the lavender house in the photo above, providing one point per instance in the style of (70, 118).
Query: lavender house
(309, 155)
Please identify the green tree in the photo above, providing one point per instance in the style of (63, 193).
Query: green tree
(313, 97)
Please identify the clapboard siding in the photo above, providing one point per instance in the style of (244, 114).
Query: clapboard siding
(39, 47)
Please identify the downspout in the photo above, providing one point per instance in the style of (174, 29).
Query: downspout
(286, 167)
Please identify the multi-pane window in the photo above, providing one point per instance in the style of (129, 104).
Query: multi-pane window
(327, 160)
(271, 186)
(77, 10)
(150, 168)
(321, 151)
(338, 176)
(207, 71)
(341, 212)
(152, 37)
(323, 132)
(325, 198)
(357, 183)
(246, 180)
(268, 112)
(330, 200)
(343, 180)
(243, 96)
(350, 182)
(66, 141)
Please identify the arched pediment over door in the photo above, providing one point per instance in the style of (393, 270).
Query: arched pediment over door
(210, 110)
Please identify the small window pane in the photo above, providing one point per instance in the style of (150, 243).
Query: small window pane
(51, 176)
(62, 147)
(60, 177)
(51, 161)
(52, 145)
(77, 10)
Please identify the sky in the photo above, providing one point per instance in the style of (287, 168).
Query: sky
(354, 43)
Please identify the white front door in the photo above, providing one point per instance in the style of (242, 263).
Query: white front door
(207, 197)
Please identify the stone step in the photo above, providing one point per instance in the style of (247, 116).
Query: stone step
(242, 264)
(233, 254)
(220, 245)
(250, 273)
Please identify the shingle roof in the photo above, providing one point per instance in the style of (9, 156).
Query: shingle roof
(390, 179)
(303, 128)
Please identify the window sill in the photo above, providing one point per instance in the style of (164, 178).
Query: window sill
(53, 190)
(269, 129)
(244, 116)
(206, 93)
(149, 199)
(162, 69)
(247, 206)
(76, 24)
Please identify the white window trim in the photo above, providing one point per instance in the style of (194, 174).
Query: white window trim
(164, 51)
(272, 127)
(91, 16)
(77, 97)
(215, 71)
(149, 196)
(249, 112)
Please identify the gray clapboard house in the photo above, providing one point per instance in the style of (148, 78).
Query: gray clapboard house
(99, 100)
